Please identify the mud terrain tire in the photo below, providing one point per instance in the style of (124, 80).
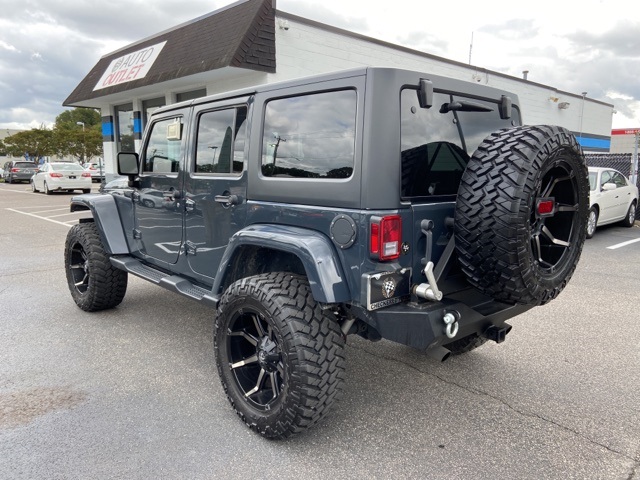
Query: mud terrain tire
(521, 213)
(94, 283)
(280, 357)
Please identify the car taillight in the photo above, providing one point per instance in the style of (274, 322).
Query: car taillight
(15, 170)
(86, 174)
(385, 237)
(55, 175)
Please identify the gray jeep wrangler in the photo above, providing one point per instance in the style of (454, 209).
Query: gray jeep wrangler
(380, 202)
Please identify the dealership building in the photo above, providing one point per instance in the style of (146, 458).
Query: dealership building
(252, 42)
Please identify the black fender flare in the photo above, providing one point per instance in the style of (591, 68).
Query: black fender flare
(105, 214)
(315, 251)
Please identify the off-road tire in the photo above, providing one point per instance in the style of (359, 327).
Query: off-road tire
(630, 219)
(272, 337)
(508, 247)
(592, 222)
(93, 282)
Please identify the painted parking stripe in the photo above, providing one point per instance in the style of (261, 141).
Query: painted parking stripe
(623, 244)
(38, 216)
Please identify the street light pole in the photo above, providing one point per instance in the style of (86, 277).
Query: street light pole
(84, 144)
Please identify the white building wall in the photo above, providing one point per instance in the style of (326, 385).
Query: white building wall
(305, 49)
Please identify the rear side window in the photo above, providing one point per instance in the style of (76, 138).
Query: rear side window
(310, 136)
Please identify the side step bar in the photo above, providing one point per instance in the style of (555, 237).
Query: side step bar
(175, 283)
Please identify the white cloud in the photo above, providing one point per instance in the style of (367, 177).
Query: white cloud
(593, 48)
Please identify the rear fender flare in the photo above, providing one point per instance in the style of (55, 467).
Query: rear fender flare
(315, 251)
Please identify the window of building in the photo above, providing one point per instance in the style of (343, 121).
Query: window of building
(149, 106)
(164, 148)
(310, 136)
(181, 97)
(124, 127)
(220, 142)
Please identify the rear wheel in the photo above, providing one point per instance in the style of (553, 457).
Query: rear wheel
(280, 357)
(93, 282)
(521, 214)
(592, 222)
(85, 190)
(46, 189)
(630, 219)
(33, 187)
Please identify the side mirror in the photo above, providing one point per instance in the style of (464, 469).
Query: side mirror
(128, 164)
(607, 187)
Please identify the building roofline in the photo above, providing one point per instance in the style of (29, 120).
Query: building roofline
(420, 53)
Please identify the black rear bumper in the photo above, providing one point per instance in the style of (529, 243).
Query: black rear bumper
(423, 326)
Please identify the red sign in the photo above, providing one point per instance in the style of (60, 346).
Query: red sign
(625, 131)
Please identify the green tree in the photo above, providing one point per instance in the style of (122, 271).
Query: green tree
(78, 133)
(36, 143)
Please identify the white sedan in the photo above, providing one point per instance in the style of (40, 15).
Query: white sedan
(58, 176)
(612, 199)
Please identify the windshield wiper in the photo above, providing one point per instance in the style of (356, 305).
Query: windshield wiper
(464, 107)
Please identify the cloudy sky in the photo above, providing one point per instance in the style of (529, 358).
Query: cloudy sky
(48, 46)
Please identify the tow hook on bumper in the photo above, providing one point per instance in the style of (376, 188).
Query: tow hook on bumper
(451, 321)
(497, 334)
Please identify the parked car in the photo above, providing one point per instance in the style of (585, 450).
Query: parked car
(59, 176)
(95, 169)
(117, 186)
(19, 171)
(612, 198)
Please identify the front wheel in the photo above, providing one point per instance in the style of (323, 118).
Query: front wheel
(280, 357)
(630, 219)
(93, 282)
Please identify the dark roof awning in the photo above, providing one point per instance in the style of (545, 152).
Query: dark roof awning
(241, 35)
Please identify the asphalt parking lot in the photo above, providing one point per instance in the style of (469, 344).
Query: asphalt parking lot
(133, 392)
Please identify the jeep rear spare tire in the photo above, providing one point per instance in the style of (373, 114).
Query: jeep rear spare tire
(521, 213)
(280, 356)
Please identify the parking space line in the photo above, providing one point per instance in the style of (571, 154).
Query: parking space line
(37, 216)
(52, 210)
(623, 244)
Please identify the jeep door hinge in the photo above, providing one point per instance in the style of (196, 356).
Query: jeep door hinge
(137, 234)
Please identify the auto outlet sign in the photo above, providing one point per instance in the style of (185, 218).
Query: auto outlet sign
(129, 67)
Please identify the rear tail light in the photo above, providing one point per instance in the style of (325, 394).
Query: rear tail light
(86, 174)
(55, 175)
(14, 170)
(385, 237)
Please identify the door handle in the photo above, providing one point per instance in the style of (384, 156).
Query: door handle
(227, 200)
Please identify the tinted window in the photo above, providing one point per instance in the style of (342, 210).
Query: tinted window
(618, 179)
(436, 143)
(164, 149)
(310, 136)
(220, 143)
